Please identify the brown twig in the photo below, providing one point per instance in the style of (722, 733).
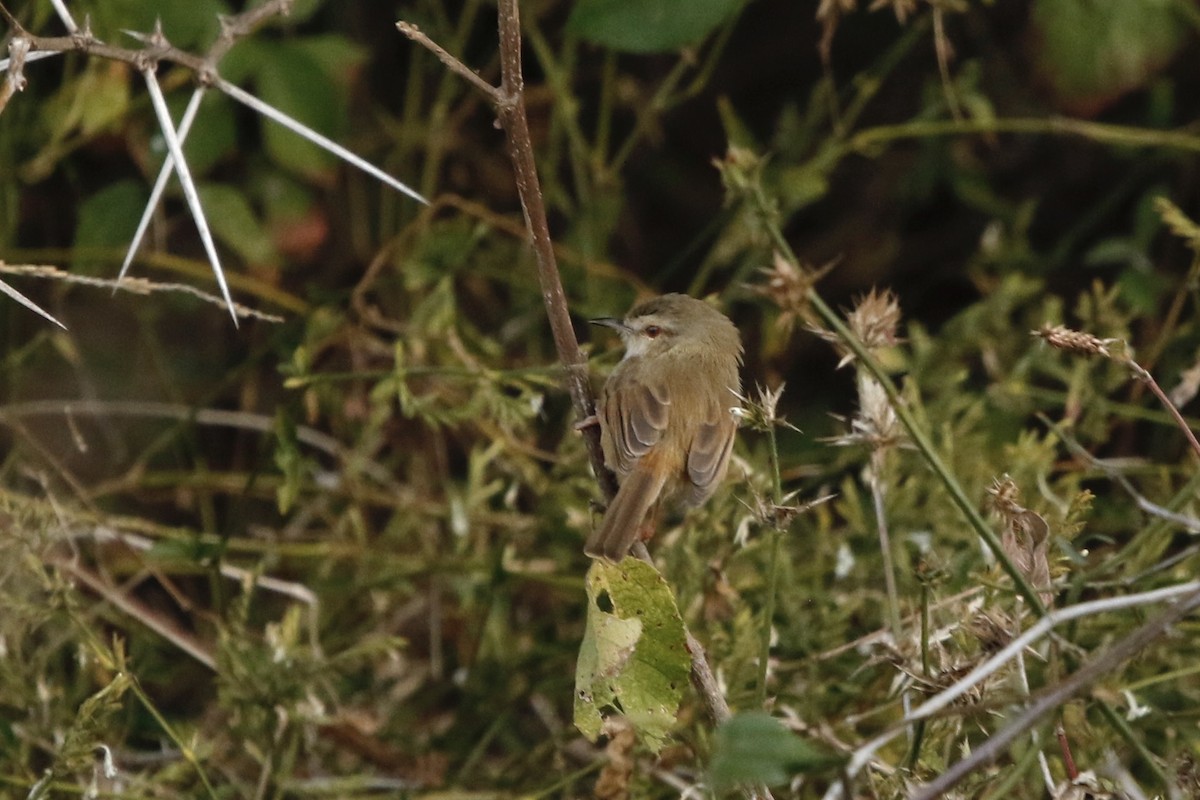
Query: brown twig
(1055, 696)
(1145, 377)
(156, 48)
(510, 107)
(135, 608)
(451, 63)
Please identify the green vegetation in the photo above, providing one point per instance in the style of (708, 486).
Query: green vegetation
(336, 551)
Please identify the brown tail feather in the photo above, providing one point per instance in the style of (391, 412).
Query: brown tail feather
(623, 520)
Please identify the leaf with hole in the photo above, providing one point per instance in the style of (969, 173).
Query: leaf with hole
(633, 660)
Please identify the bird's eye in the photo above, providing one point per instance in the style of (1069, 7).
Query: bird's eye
(653, 331)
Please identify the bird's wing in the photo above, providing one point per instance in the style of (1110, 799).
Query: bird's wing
(708, 456)
(636, 415)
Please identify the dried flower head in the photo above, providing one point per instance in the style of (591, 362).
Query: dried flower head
(779, 516)
(761, 413)
(1026, 536)
(875, 320)
(787, 285)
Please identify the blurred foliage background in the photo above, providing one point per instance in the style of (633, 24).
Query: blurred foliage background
(340, 555)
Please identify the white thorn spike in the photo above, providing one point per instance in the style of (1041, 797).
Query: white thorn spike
(160, 184)
(189, 186)
(301, 129)
(25, 301)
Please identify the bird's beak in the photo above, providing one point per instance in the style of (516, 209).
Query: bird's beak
(611, 322)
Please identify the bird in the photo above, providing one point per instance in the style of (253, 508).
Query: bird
(666, 414)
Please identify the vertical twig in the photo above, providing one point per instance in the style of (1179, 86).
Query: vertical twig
(774, 538)
(510, 107)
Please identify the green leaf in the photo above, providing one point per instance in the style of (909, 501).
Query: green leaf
(234, 222)
(89, 102)
(649, 26)
(633, 659)
(293, 80)
(1091, 52)
(109, 217)
(212, 137)
(338, 56)
(754, 747)
(186, 23)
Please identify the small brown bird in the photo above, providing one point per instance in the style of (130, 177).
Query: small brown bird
(666, 425)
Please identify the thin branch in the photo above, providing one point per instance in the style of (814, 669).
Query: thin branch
(10, 19)
(1142, 374)
(241, 25)
(135, 608)
(140, 286)
(453, 64)
(510, 107)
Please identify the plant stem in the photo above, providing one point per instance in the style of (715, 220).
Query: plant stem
(1118, 723)
(510, 107)
(774, 538)
(885, 543)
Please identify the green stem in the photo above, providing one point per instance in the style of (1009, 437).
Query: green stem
(189, 755)
(885, 544)
(774, 538)
(1118, 723)
(1103, 133)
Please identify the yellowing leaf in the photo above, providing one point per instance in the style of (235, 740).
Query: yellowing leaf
(633, 660)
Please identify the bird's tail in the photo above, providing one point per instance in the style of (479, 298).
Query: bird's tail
(622, 521)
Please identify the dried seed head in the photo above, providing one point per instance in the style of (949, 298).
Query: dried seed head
(1072, 341)
(876, 420)
(876, 319)
(876, 424)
